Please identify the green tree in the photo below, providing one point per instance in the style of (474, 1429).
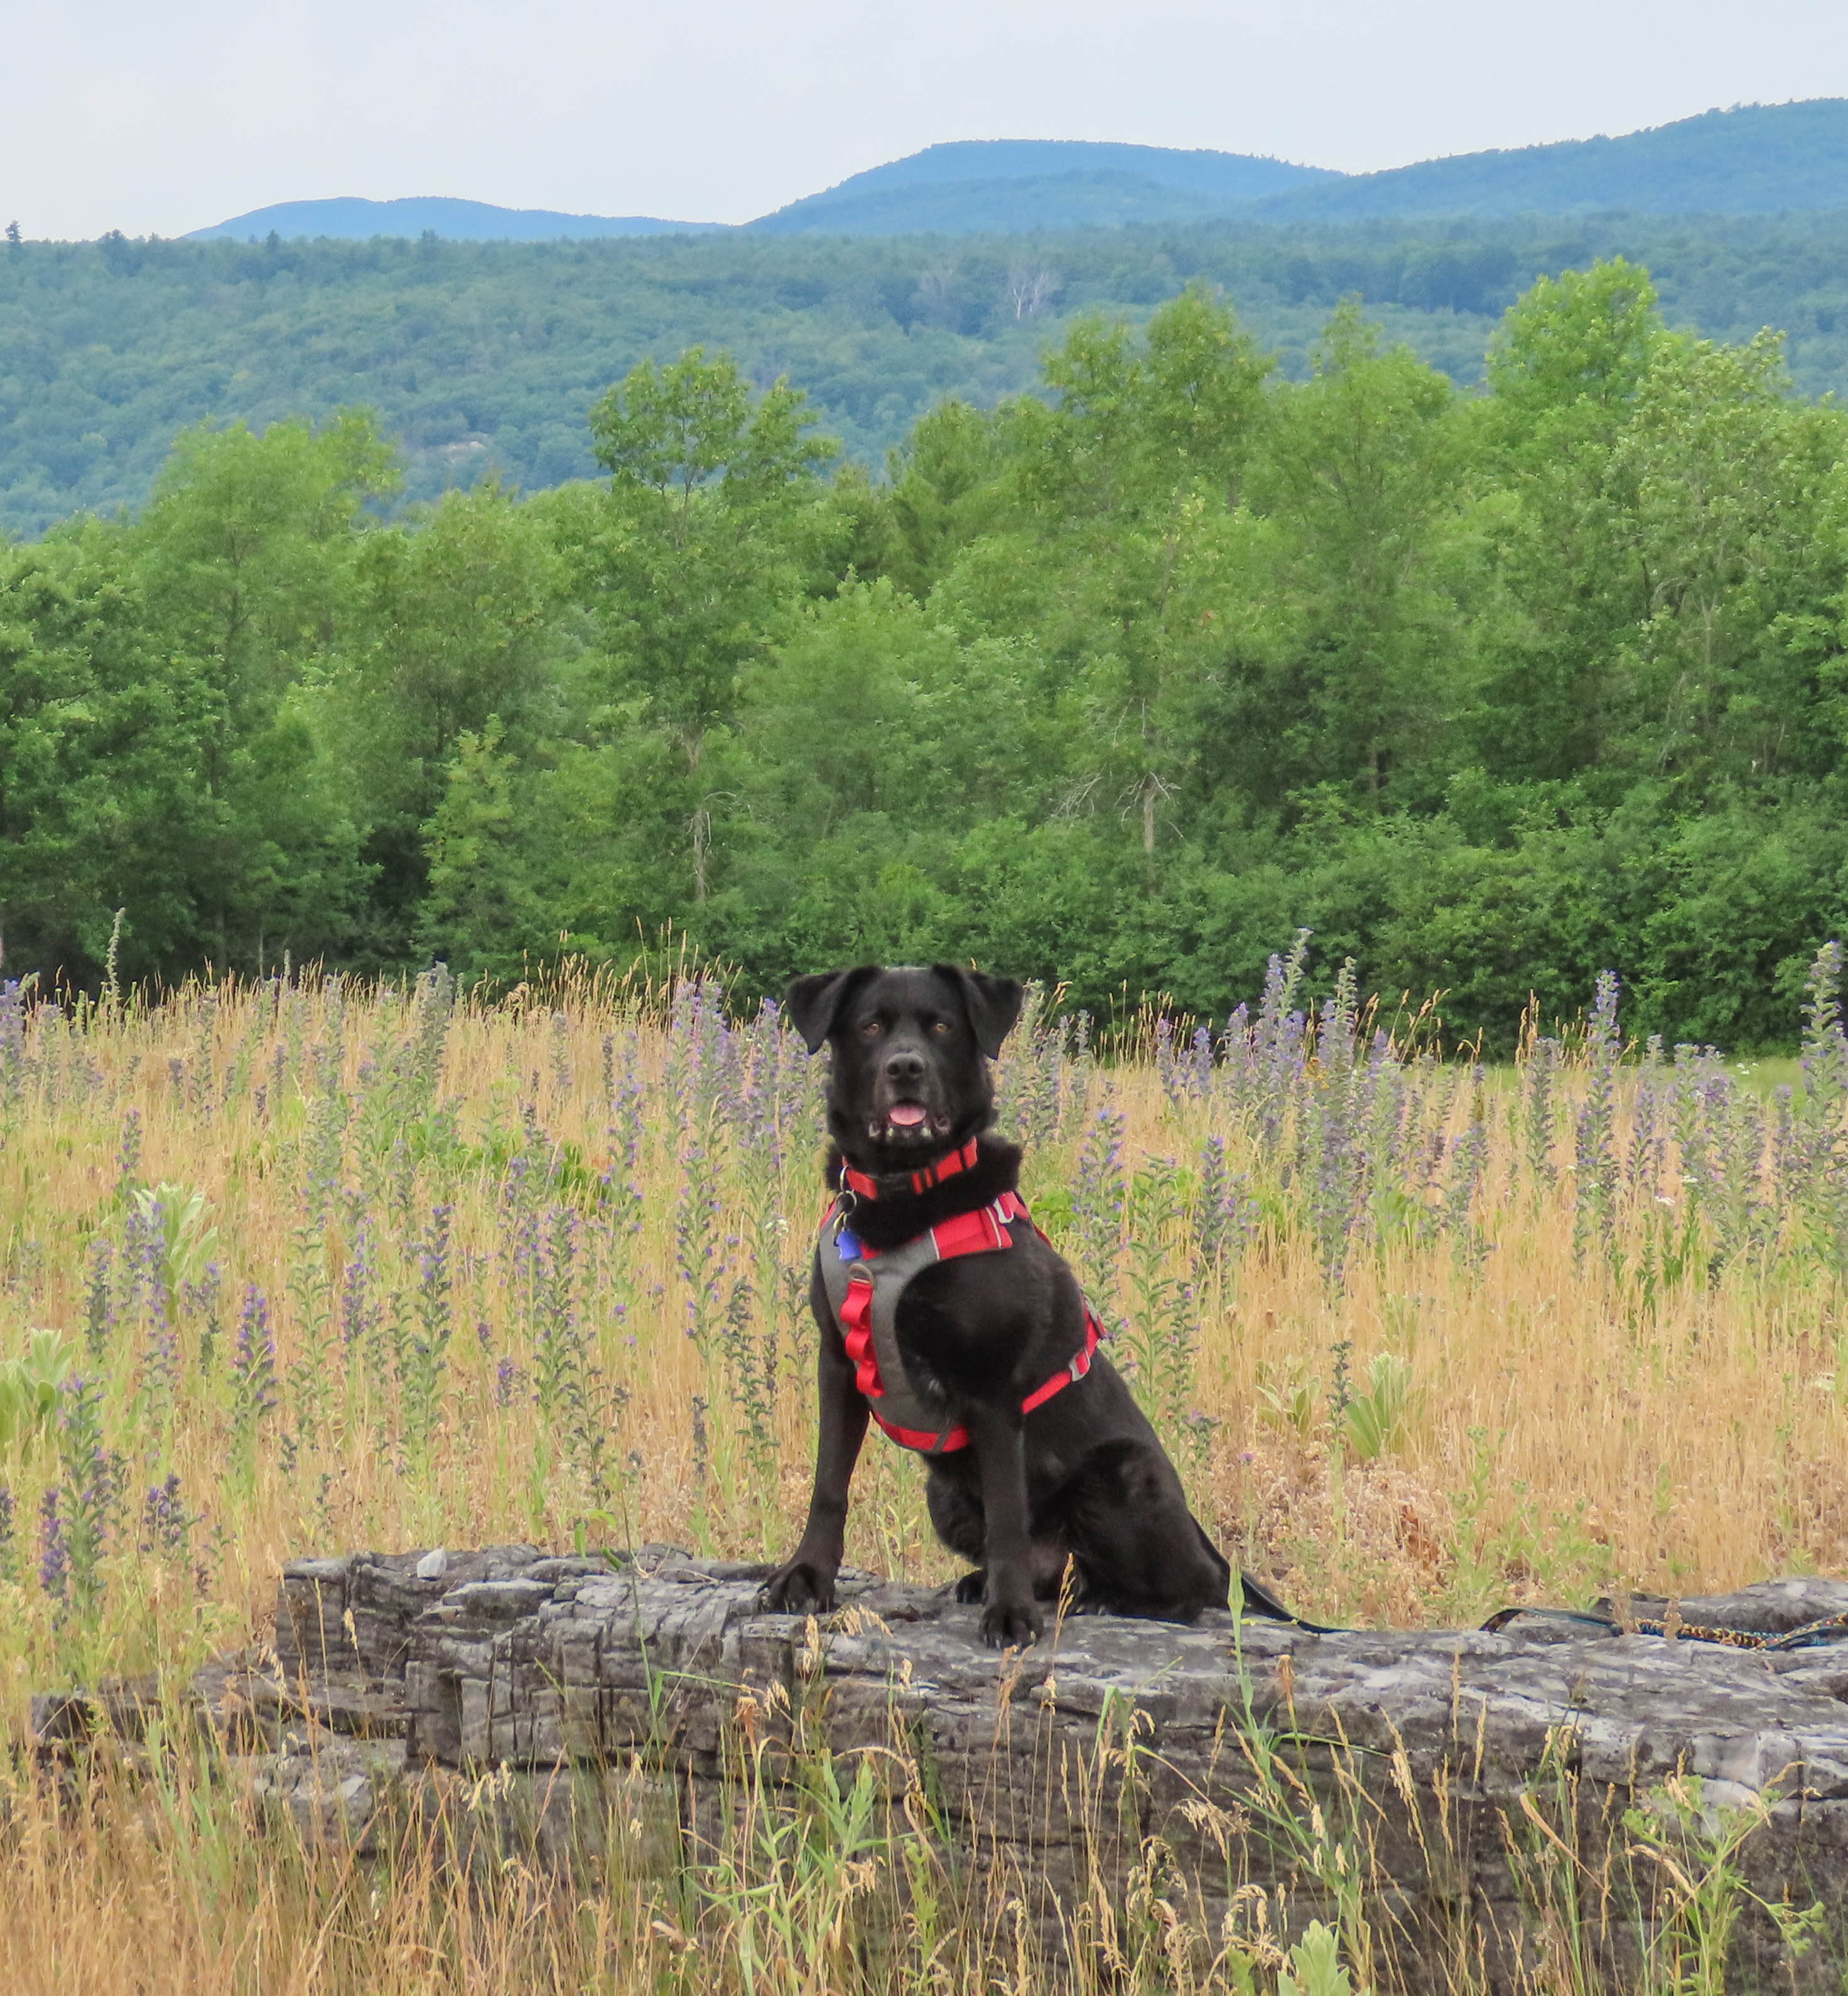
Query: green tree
(100, 734)
(946, 490)
(1143, 462)
(1565, 368)
(1125, 525)
(1716, 484)
(1568, 357)
(486, 908)
(247, 554)
(247, 550)
(456, 617)
(1361, 482)
(714, 507)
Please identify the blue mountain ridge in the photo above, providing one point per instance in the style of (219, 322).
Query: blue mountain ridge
(351, 218)
(1755, 159)
(1003, 206)
(1239, 175)
(1752, 159)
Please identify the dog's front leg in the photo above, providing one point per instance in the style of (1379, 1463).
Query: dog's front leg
(806, 1580)
(996, 1436)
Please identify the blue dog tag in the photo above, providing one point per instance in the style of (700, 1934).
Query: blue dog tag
(848, 1242)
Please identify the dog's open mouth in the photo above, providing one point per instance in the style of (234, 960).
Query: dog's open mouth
(908, 1122)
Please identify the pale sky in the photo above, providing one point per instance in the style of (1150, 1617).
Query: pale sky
(163, 119)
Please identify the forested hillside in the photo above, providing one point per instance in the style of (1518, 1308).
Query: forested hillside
(1755, 159)
(963, 187)
(1120, 684)
(969, 186)
(485, 356)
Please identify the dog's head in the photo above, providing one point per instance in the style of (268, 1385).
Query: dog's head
(909, 1081)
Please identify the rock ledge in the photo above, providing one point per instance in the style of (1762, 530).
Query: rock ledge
(1464, 1774)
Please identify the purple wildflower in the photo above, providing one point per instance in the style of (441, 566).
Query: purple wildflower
(54, 1551)
(92, 1479)
(164, 1524)
(1097, 1206)
(358, 1313)
(99, 1299)
(252, 1366)
(204, 1298)
(12, 1040)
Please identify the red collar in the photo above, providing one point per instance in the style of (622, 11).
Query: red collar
(864, 1187)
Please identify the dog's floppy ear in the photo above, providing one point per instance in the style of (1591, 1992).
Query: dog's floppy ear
(814, 1004)
(992, 1004)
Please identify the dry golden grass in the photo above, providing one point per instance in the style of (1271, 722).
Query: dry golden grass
(1559, 1432)
(172, 1886)
(1570, 1422)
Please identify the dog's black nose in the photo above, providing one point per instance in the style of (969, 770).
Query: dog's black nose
(903, 1068)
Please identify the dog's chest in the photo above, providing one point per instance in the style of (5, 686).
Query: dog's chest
(865, 1291)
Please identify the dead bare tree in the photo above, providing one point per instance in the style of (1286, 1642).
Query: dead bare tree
(1030, 292)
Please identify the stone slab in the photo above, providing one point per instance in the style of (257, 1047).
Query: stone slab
(1464, 1775)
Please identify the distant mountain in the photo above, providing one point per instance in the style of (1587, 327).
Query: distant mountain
(984, 184)
(959, 188)
(1756, 159)
(351, 218)
(996, 207)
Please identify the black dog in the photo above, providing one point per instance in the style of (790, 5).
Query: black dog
(984, 1360)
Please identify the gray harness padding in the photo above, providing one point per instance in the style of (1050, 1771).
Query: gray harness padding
(903, 1404)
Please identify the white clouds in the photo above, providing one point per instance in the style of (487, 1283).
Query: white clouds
(166, 119)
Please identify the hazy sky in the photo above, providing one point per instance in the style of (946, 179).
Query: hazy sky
(164, 118)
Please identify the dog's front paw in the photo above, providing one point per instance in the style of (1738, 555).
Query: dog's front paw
(971, 1588)
(1010, 1625)
(800, 1587)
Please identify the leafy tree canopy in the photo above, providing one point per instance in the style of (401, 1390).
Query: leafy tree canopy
(1117, 683)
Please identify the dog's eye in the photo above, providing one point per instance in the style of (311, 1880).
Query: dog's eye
(872, 1030)
(940, 1027)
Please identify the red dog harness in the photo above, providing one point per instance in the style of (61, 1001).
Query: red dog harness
(864, 1286)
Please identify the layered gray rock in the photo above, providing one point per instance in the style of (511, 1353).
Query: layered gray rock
(1448, 1790)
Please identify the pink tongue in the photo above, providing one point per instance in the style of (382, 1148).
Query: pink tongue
(906, 1115)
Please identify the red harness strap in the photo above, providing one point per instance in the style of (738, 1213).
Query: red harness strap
(981, 1232)
(1075, 1371)
(964, 1160)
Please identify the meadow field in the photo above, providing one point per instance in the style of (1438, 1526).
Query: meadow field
(305, 1265)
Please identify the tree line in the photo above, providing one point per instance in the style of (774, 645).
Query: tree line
(1118, 684)
(480, 356)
